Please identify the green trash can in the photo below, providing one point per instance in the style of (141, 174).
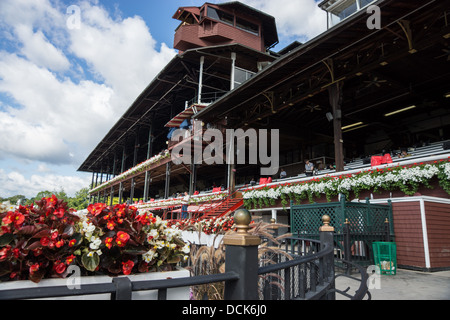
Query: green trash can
(385, 257)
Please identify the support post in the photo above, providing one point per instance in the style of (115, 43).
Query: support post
(122, 169)
(149, 154)
(167, 185)
(327, 239)
(387, 229)
(193, 179)
(233, 70)
(347, 244)
(241, 255)
(200, 80)
(335, 92)
(92, 187)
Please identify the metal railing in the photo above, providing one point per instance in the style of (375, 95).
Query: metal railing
(310, 275)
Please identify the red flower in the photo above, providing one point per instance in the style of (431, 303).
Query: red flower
(72, 243)
(45, 241)
(60, 267)
(51, 202)
(127, 267)
(14, 217)
(34, 268)
(111, 225)
(70, 259)
(122, 238)
(96, 209)
(60, 213)
(4, 253)
(59, 243)
(108, 242)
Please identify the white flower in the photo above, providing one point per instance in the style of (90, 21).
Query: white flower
(158, 244)
(95, 243)
(186, 249)
(153, 234)
(149, 256)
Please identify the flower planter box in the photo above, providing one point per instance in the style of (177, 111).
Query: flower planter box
(204, 239)
(172, 294)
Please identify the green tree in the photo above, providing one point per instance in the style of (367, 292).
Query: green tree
(80, 201)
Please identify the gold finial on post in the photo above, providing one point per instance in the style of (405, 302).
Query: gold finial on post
(326, 224)
(242, 219)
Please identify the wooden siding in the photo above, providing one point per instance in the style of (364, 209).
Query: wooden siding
(408, 234)
(438, 225)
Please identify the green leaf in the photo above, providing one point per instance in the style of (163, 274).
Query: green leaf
(6, 239)
(90, 262)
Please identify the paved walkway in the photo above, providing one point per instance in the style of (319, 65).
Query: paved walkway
(406, 285)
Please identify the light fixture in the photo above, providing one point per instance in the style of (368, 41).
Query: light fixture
(356, 128)
(384, 63)
(330, 116)
(447, 95)
(353, 125)
(399, 111)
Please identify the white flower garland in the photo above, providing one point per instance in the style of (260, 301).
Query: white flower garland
(140, 167)
(347, 183)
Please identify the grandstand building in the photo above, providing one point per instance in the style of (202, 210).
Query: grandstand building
(349, 94)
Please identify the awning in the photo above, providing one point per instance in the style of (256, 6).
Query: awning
(185, 115)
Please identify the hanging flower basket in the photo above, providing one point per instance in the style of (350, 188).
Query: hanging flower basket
(407, 179)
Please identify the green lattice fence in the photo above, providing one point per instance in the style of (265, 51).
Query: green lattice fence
(366, 224)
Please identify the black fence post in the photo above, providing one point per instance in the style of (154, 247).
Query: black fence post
(347, 244)
(387, 230)
(327, 239)
(123, 289)
(241, 257)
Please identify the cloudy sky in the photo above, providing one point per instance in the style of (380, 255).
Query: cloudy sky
(69, 69)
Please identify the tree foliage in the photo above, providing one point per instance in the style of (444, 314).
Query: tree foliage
(78, 202)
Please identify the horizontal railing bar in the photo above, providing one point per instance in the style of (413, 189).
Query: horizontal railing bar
(56, 292)
(105, 288)
(184, 282)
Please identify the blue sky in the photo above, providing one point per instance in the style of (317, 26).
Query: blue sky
(63, 87)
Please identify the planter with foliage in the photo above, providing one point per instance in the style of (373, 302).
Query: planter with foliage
(42, 241)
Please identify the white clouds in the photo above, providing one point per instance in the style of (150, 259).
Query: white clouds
(299, 20)
(53, 113)
(14, 183)
(122, 52)
(38, 50)
(56, 113)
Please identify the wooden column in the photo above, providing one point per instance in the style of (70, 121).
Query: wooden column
(122, 169)
(336, 97)
(149, 154)
(167, 186)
